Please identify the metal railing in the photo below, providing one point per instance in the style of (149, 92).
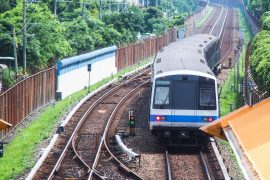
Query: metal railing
(26, 96)
(129, 55)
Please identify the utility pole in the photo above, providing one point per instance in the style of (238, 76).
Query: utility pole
(55, 8)
(24, 36)
(15, 51)
(100, 9)
(83, 9)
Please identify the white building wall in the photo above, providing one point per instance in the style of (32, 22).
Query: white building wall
(76, 79)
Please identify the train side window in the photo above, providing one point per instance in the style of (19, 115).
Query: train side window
(162, 95)
(207, 98)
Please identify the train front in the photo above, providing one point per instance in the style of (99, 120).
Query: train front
(181, 104)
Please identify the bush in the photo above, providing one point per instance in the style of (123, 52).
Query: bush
(265, 21)
(260, 59)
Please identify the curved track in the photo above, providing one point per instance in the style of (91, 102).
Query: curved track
(104, 143)
(84, 138)
(83, 150)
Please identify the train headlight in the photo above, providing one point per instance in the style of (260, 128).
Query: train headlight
(208, 119)
(160, 118)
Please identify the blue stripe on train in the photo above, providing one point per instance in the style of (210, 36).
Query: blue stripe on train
(179, 118)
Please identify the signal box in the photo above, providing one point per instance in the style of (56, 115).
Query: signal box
(132, 121)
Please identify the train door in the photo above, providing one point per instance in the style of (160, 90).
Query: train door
(184, 104)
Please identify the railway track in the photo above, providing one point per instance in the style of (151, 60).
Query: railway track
(84, 151)
(78, 149)
(227, 38)
(194, 163)
(220, 22)
(211, 22)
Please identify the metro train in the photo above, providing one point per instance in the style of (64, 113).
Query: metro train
(184, 93)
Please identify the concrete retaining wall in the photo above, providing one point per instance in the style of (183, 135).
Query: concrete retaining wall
(72, 74)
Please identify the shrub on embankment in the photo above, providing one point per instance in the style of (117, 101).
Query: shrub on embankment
(260, 59)
(260, 54)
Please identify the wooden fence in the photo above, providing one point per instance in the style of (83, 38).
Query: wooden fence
(26, 96)
(129, 55)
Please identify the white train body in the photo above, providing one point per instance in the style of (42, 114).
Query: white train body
(184, 89)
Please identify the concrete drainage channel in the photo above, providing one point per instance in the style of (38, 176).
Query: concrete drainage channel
(61, 128)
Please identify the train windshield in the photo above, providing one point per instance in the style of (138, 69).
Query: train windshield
(162, 94)
(185, 92)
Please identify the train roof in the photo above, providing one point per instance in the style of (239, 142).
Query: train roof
(185, 54)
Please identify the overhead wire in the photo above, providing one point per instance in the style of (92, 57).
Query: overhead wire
(28, 22)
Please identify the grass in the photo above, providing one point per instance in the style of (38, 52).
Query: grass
(209, 11)
(230, 97)
(19, 153)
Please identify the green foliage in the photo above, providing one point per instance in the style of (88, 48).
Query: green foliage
(76, 29)
(260, 59)
(202, 20)
(4, 6)
(154, 20)
(128, 23)
(258, 7)
(265, 21)
(172, 8)
(184, 6)
(228, 96)
(79, 36)
(45, 38)
(6, 77)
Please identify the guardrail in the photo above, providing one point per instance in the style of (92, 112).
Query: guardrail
(129, 55)
(26, 96)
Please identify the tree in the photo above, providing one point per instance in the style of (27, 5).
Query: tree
(265, 21)
(4, 6)
(154, 20)
(179, 20)
(128, 23)
(258, 7)
(46, 42)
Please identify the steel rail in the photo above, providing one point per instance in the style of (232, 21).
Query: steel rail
(221, 164)
(82, 120)
(169, 170)
(216, 20)
(76, 130)
(226, 54)
(112, 155)
(204, 166)
(106, 131)
(223, 24)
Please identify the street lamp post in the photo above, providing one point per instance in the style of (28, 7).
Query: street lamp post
(24, 36)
